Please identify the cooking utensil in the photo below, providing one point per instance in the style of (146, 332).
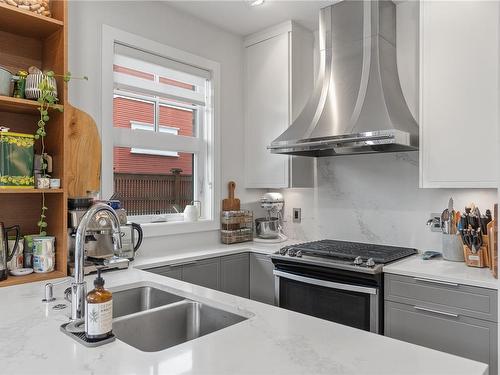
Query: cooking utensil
(132, 235)
(445, 221)
(83, 169)
(267, 227)
(5, 253)
(231, 203)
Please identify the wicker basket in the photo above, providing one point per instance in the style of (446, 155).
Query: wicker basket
(236, 226)
(41, 7)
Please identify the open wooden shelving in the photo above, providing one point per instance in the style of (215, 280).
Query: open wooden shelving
(28, 39)
(32, 277)
(26, 23)
(26, 106)
(30, 191)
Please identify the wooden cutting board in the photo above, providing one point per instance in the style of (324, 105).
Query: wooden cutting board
(231, 203)
(83, 171)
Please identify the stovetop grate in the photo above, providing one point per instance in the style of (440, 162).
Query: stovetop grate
(350, 250)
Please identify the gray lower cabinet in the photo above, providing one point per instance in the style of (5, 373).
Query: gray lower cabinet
(235, 275)
(247, 275)
(261, 278)
(202, 272)
(175, 272)
(450, 323)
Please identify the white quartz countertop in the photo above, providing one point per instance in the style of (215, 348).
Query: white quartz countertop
(145, 260)
(443, 270)
(271, 341)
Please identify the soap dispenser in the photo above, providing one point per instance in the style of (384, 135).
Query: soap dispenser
(99, 311)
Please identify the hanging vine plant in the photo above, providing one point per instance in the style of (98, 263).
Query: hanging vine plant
(47, 100)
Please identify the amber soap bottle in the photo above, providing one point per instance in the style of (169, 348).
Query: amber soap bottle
(99, 311)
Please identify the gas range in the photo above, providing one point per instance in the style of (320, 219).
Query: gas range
(350, 256)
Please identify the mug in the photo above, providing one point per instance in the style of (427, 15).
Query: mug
(43, 254)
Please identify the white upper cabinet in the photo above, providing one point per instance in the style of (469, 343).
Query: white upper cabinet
(278, 81)
(459, 93)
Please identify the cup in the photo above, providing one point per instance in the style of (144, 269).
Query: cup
(43, 183)
(55, 183)
(43, 254)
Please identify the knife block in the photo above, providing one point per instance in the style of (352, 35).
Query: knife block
(481, 258)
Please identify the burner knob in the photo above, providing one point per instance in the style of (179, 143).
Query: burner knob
(358, 261)
(283, 251)
(370, 262)
(292, 252)
(298, 253)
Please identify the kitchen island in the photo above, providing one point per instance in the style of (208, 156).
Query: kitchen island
(271, 341)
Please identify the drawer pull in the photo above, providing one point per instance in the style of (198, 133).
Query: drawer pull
(435, 282)
(436, 311)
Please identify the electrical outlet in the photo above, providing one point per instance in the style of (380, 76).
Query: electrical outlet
(297, 215)
(435, 222)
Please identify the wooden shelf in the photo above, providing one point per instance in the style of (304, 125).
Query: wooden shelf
(26, 23)
(28, 39)
(26, 106)
(29, 191)
(32, 277)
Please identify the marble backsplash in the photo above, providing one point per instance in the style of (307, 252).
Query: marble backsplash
(374, 198)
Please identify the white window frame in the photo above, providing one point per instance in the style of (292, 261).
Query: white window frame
(137, 125)
(208, 178)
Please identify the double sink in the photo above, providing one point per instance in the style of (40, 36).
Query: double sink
(151, 319)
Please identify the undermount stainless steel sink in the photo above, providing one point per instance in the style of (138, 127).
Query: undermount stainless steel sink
(130, 301)
(173, 324)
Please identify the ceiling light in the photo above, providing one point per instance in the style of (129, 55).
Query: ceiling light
(254, 3)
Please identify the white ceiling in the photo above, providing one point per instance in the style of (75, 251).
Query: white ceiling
(238, 17)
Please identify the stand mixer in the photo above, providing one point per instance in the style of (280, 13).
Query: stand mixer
(269, 229)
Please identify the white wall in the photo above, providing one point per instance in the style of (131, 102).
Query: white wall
(159, 22)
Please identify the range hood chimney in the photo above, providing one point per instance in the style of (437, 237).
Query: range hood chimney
(357, 105)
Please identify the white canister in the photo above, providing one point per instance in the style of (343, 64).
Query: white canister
(191, 213)
(17, 260)
(44, 254)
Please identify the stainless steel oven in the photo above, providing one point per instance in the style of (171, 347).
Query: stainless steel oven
(345, 298)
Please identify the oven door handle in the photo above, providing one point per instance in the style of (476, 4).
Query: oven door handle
(326, 284)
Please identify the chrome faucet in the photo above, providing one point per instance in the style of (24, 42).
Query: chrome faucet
(79, 286)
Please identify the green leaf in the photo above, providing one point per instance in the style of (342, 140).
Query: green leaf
(50, 74)
(37, 136)
(44, 112)
(41, 123)
(46, 118)
(43, 233)
(60, 109)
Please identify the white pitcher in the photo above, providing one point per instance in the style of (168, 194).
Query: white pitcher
(191, 213)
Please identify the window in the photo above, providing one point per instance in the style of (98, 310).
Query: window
(160, 147)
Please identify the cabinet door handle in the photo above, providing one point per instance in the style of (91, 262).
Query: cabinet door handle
(436, 311)
(435, 282)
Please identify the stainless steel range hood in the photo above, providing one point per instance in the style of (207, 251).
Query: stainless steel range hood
(357, 105)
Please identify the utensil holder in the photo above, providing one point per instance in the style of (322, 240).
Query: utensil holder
(452, 248)
(480, 259)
